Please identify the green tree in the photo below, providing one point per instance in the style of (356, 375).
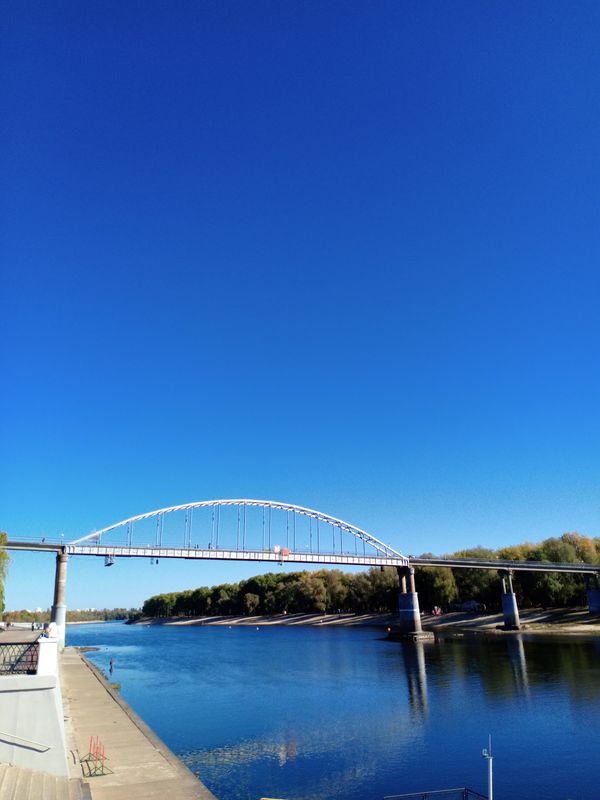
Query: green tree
(225, 599)
(183, 604)
(359, 592)
(312, 593)
(436, 587)
(377, 590)
(251, 603)
(200, 600)
(336, 589)
(384, 589)
(477, 584)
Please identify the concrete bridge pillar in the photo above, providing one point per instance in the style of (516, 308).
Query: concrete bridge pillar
(510, 609)
(59, 607)
(593, 595)
(408, 602)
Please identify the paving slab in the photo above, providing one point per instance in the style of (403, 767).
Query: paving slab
(142, 766)
(18, 635)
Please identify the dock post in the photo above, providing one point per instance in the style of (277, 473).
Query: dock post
(510, 609)
(59, 607)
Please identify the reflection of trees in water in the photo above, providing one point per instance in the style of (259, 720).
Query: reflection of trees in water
(354, 744)
(575, 663)
(502, 666)
(513, 666)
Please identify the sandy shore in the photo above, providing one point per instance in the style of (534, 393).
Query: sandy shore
(375, 620)
(537, 620)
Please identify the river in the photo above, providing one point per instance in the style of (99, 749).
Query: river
(338, 713)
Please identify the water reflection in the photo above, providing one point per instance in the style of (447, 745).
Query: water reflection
(516, 653)
(516, 665)
(351, 745)
(413, 655)
(501, 667)
(340, 714)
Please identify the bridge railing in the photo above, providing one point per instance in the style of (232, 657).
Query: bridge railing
(463, 793)
(19, 658)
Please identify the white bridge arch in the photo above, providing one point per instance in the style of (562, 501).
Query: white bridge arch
(99, 542)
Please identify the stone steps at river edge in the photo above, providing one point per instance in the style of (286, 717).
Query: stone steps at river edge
(17, 783)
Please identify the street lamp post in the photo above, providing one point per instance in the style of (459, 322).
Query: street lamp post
(487, 754)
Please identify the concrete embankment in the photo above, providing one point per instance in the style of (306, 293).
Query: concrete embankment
(141, 766)
(324, 620)
(537, 620)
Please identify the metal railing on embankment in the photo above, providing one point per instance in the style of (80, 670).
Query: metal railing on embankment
(19, 658)
(448, 794)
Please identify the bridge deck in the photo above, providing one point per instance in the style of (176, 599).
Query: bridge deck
(301, 557)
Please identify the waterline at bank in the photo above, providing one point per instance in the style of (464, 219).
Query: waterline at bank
(141, 765)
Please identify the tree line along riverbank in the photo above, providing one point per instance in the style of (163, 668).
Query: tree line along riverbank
(375, 590)
(76, 616)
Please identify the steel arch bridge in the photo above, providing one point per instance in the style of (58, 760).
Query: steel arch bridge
(238, 530)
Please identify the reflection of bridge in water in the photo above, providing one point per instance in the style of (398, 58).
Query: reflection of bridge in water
(323, 738)
(508, 675)
(404, 721)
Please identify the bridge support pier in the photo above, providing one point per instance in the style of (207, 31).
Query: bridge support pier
(59, 607)
(510, 610)
(409, 626)
(593, 595)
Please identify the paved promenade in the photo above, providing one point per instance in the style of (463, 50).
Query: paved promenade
(143, 767)
(20, 635)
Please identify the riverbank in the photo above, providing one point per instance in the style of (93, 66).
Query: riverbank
(140, 766)
(533, 620)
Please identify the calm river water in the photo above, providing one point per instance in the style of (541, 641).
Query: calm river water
(338, 713)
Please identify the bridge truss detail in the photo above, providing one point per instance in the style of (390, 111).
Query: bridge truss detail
(239, 529)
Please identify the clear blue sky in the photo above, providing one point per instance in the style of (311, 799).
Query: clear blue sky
(340, 254)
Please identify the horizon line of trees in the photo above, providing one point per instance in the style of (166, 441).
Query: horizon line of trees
(77, 615)
(376, 590)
